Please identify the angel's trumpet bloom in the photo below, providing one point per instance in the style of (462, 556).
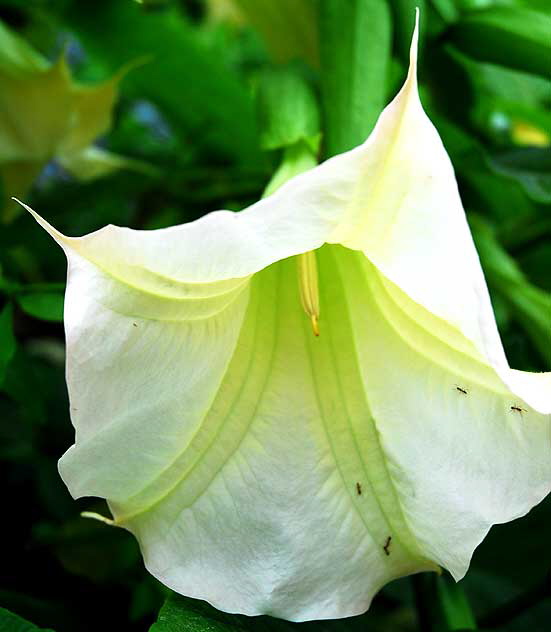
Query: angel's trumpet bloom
(269, 470)
(46, 115)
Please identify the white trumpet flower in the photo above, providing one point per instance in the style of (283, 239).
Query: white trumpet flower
(269, 470)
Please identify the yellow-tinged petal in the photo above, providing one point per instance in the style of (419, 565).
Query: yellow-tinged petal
(92, 110)
(46, 115)
(93, 162)
(36, 110)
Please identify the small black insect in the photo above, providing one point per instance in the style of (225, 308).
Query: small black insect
(359, 489)
(386, 547)
(134, 325)
(518, 409)
(461, 390)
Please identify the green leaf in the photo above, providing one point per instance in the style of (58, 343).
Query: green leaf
(505, 84)
(42, 305)
(486, 190)
(10, 622)
(536, 260)
(446, 9)
(182, 614)
(530, 305)
(504, 100)
(355, 55)
(506, 35)
(531, 168)
(196, 91)
(538, 5)
(7, 340)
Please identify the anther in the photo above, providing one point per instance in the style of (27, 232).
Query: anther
(308, 286)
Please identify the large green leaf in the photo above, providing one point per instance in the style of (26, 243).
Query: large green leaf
(502, 100)
(531, 168)
(506, 35)
(42, 305)
(181, 614)
(496, 194)
(530, 305)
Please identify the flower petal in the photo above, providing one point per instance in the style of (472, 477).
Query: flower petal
(218, 429)
(93, 162)
(463, 453)
(92, 110)
(29, 133)
(405, 214)
(300, 216)
(249, 456)
(395, 198)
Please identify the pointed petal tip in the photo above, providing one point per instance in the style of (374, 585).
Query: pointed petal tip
(414, 47)
(60, 238)
(96, 516)
(125, 69)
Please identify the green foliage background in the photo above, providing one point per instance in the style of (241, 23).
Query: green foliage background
(190, 113)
